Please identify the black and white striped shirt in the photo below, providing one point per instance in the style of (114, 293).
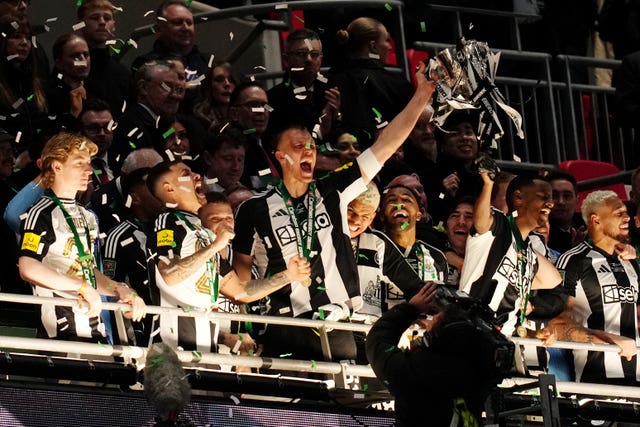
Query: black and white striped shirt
(382, 269)
(605, 288)
(264, 230)
(490, 270)
(47, 237)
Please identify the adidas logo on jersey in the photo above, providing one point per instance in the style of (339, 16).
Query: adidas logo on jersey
(280, 212)
(604, 269)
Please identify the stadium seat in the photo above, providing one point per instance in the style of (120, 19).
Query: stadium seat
(588, 169)
(414, 57)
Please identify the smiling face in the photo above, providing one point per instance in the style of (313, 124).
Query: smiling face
(184, 187)
(297, 155)
(399, 206)
(359, 216)
(536, 203)
(177, 30)
(458, 225)
(613, 220)
(461, 143)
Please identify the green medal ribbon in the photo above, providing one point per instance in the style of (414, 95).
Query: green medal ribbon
(422, 270)
(87, 260)
(522, 268)
(304, 246)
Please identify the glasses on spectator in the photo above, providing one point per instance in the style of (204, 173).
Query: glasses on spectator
(255, 104)
(302, 54)
(95, 128)
(171, 87)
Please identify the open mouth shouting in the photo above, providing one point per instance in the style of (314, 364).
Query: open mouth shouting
(306, 167)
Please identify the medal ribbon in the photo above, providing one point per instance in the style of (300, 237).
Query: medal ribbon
(420, 254)
(87, 261)
(213, 265)
(304, 246)
(522, 268)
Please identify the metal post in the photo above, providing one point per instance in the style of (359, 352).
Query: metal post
(548, 401)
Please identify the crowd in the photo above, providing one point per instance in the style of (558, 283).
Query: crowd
(179, 183)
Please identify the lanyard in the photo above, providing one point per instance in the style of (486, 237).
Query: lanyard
(213, 265)
(304, 246)
(424, 272)
(87, 262)
(522, 267)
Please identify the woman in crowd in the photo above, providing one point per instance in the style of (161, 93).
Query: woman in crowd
(212, 110)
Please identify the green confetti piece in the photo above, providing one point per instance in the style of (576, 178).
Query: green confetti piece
(298, 18)
(30, 97)
(320, 30)
(155, 361)
(286, 355)
(398, 206)
(390, 349)
(98, 171)
(79, 3)
(173, 244)
(368, 134)
(404, 225)
(323, 148)
(101, 344)
(168, 133)
(364, 387)
(308, 145)
(153, 30)
(171, 330)
(251, 353)
(197, 355)
(376, 112)
(423, 27)
(132, 145)
(321, 313)
(314, 364)
(248, 326)
(188, 3)
(186, 308)
(321, 288)
(363, 256)
(388, 7)
(115, 49)
(239, 337)
(354, 139)
(249, 131)
(134, 294)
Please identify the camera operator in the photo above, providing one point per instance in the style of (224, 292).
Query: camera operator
(445, 381)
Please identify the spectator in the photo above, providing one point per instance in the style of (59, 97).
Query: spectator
(300, 201)
(421, 148)
(224, 158)
(187, 269)
(66, 169)
(66, 91)
(249, 110)
(108, 79)
(458, 148)
(158, 95)
(370, 95)
(23, 102)
(566, 227)
(347, 145)
(96, 123)
(238, 195)
(304, 97)
(9, 251)
(457, 228)
(125, 257)
(501, 267)
(400, 212)
(175, 39)
(213, 110)
(604, 293)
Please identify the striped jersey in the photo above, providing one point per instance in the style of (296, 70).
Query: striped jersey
(47, 237)
(382, 269)
(265, 231)
(180, 233)
(490, 271)
(605, 288)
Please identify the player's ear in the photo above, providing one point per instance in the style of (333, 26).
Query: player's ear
(594, 219)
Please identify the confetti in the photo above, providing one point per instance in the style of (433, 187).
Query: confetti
(321, 314)
(188, 3)
(119, 9)
(230, 36)
(18, 103)
(284, 310)
(34, 41)
(260, 68)
(168, 133)
(148, 12)
(516, 158)
(115, 50)
(235, 399)
(289, 159)
(264, 172)
(321, 78)
(124, 106)
(211, 60)
(280, 6)
(268, 107)
(423, 27)
(18, 136)
(132, 43)
(441, 196)
(132, 145)
(184, 178)
(358, 395)
(314, 364)
(286, 355)
(127, 203)
(104, 199)
(12, 57)
(80, 25)
(307, 43)
(382, 125)
(404, 225)
(185, 189)
(23, 216)
(210, 181)
(117, 218)
(321, 288)
(15, 25)
(390, 349)
(299, 18)
(300, 89)
(249, 131)
(197, 355)
(374, 56)
(134, 130)
(54, 19)
(388, 7)
(111, 125)
(171, 205)
(59, 76)
(257, 110)
(161, 18)
(126, 242)
(80, 63)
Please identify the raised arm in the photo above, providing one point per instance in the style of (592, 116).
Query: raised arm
(392, 136)
(482, 217)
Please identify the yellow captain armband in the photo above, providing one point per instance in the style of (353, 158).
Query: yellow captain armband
(30, 242)
(164, 238)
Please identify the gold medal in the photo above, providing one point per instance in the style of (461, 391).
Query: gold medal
(306, 282)
(521, 331)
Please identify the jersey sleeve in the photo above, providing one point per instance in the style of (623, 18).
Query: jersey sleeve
(167, 237)
(569, 269)
(37, 234)
(244, 228)
(347, 180)
(117, 261)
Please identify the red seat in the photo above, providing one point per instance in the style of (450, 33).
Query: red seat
(414, 57)
(588, 169)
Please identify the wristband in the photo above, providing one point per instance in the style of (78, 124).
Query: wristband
(369, 163)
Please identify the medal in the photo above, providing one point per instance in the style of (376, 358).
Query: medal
(306, 282)
(521, 331)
